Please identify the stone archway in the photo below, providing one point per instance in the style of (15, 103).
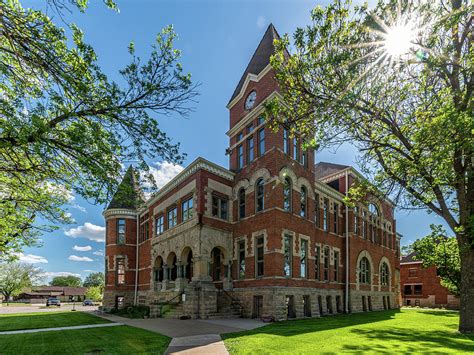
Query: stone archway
(171, 261)
(158, 269)
(217, 264)
(187, 263)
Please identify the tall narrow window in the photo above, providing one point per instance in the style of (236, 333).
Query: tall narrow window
(364, 271)
(259, 252)
(303, 258)
(242, 203)
(356, 220)
(121, 231)
(261, 141)
(364, 224)
(159, 225)
(384, 274)
(260, 192)
(336, 266)
(240, 156)
(120, 268)
(286, 141)
(144, 227)
(242, 259)
(326, 264)
(250, 149)
(303, 201)
(287, 188)
(336, 218)
(219, 207)
(295, 149)
(172, 217)
(287, 267)
(250, 128)
(326, 214)
(261, 120)
(304, 158)
(317, 262)
(187, 209)
(317, 216)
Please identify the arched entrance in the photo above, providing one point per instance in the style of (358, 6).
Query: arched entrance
(187, 259)
(217, 265)
(158, 269)
(172, 268)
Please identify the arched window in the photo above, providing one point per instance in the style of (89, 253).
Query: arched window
(384, 274)
(242, 203)
(303, 199)
(364, 271)
(374, 210)
(287, 188)
(259, 193)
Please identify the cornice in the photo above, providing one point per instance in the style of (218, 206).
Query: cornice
(119, 211)
(198, 164)
(250, 77)
(350, 171)
(328, 190)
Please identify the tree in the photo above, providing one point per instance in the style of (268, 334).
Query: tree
(17, 277)
(442, 252)
(65, 127)
(94, 293)
(66, 281)
(95, 279)
(396, 81)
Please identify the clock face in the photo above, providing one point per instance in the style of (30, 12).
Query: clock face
(250, 100)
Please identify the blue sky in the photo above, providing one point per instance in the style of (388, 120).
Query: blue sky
(217, 39)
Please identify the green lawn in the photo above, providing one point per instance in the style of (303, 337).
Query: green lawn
(110, 340)
(18, 321)
(406, 331)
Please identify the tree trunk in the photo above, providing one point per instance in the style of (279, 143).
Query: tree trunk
(466, 321)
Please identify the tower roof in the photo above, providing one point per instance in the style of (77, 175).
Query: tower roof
(261, 57)
(128, 192)
(323, 169)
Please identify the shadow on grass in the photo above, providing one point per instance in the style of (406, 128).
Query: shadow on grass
(301, 326)
(397, 336)
(412, 341)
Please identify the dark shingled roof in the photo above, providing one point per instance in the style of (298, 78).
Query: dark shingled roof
(323, 169)
(128, 192)
(410, 258)
(261, 57)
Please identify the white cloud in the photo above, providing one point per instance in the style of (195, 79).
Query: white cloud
(164, 172)
(50, 274)
(80, 258)
(261, 21)
(90, 271)
(84, 248)
(31, 259)
(99, 252)
(89, 231)
(80, 208)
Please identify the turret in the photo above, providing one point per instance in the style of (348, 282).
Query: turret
(120, 241)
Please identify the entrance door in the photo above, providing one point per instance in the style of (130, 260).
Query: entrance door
(257, 306)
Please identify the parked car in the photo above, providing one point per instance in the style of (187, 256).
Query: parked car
(53, 302)
(88, 303)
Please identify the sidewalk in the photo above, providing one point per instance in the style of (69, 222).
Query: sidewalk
(74, 327)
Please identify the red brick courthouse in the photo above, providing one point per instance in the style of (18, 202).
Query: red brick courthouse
(268, 237)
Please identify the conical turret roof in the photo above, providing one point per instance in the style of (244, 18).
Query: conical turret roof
(128, 194)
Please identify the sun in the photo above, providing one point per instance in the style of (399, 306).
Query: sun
(398, 40)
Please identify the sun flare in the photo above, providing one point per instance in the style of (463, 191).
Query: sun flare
(399, 40)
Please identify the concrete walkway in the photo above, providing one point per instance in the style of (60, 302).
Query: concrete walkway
(175, 328)
(192, 336)
(197, 344)
(38, 330)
